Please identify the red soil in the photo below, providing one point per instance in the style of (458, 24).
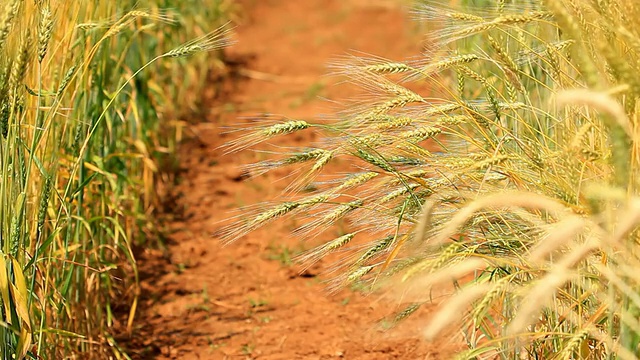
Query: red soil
(205, 301)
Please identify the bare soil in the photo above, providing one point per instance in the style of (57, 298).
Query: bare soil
(202, 300)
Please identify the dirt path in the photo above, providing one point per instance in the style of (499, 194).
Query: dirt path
(204, 301)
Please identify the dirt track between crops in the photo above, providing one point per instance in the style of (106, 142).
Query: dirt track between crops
(204, 301)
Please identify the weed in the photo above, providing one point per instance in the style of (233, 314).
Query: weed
(310, 94)
(248, 349)
(213, 345)
(180, 268)
(283, 254)
(256, 303)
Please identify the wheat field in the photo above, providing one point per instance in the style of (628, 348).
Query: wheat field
(514, 177)
(86, 117)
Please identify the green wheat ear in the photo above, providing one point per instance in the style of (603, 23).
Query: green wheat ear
(214, 40)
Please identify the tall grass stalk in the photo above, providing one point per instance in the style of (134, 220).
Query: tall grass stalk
(80, 139)
(516, 178)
